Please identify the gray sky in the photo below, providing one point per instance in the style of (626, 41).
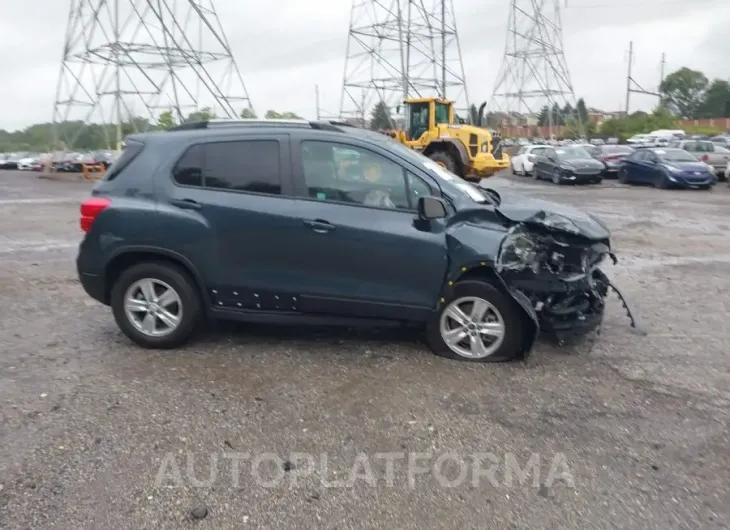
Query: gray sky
(285, 47)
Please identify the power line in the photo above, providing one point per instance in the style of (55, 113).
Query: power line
(632, 86)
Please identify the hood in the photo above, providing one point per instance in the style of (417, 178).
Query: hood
(581, 162)
(690, 166)
(552, 215)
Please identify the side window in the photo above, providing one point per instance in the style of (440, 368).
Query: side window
(343, 173)
(247, 165)
(189, 169)
(131, 150)
(417, 188)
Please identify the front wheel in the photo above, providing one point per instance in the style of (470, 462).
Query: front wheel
(661, 182)
(477, 323)
(156, 305)
(556, 177)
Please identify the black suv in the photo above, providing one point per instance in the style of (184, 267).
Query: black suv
(324, 223)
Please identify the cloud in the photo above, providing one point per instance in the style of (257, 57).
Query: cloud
(286, 47)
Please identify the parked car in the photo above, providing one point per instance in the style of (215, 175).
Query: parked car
(28, 162)
(612, 157)
(11, 161)
(255, 222)
(523, 162)
(638, 139)
(708, 152)
(568, 164)
(723, 140)
(666, 168)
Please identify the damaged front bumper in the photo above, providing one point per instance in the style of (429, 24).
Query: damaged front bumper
(553, 273)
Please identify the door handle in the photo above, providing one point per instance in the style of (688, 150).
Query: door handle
(320, 226)
(186, 204)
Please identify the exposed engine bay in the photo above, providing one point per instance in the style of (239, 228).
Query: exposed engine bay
(547, 259)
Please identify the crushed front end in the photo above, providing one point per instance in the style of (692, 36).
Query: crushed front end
(557, 268)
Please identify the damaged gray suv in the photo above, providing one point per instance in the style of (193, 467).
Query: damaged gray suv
(296, 222)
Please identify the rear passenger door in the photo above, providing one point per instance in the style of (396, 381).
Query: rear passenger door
(238, 194)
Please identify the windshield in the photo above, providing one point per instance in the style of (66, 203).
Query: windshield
(572, 153)
(592, 150)
(676, 155)
(472, 191)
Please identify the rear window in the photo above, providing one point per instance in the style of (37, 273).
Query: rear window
(131, 150)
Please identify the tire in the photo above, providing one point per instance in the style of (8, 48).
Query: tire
(507, 348)
(623, 176)
(187, 303)
(661, 183)
(445, 159)
(556, 178)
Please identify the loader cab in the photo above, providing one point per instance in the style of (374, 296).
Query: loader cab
(423, 114)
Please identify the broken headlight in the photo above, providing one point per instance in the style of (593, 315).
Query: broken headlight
(525, 250)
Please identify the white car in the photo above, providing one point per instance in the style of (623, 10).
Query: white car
(26, 164)
(727, 174)
(524, 161)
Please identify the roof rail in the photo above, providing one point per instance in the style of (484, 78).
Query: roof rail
(217, 122)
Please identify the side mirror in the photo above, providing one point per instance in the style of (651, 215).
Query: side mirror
(431, 208)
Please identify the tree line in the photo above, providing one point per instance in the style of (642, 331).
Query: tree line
(684, 94)
(78, 135)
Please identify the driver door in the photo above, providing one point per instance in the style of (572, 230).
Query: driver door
(361, 254)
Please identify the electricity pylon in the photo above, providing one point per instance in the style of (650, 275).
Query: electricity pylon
(398, 49)
(534, 72)
(136, 58)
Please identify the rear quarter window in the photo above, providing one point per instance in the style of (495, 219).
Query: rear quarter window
(131, 151)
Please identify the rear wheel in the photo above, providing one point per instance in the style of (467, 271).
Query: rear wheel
(156, 305)
(478, 323)
(444, 159)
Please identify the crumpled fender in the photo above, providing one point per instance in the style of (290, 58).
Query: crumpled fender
(531, 322)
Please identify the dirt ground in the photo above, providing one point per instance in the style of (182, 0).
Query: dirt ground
(616, 431)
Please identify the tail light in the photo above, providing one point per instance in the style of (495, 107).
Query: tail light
(90, 209)
(531, 158)
(612, 158)
(705, 158)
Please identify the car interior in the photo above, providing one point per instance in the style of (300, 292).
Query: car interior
(345, 175)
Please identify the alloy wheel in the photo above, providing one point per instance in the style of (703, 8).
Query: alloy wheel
(472, 327)
(153, 307)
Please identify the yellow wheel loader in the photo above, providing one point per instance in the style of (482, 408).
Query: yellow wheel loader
(466, 150)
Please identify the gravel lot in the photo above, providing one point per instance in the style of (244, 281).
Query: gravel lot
(630, 431)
